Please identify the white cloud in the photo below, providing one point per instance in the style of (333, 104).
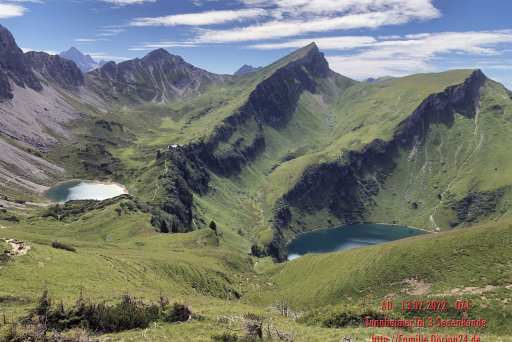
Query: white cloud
(160, 45)
(298, 17)
(127, 2)
(11, 10)
(361, 68)
(416, 53)
(324, 43)
(202, 18)
(90, 40)
(422, 7)
(32, 1)
(105, 56)
(110, 31)
(290, 18)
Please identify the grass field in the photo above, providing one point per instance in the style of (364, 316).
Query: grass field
(116, 255)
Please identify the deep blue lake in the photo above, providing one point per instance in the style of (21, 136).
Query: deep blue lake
(347, 237)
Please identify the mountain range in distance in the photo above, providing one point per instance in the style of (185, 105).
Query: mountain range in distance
(84, 62)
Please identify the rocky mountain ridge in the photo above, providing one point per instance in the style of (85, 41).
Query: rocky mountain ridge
(14, 67)
(55, 69)
(270, 104)
(157, 77)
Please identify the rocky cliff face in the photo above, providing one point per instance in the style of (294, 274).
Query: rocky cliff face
(183, 176)
(158, 77)
(55, 69)
(275, 99)
(346, 187)
(14, 67)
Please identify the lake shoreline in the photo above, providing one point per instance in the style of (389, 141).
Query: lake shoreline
(122, 187)
(379, 223)
(327, 240)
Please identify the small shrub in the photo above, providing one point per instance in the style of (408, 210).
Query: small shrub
(226, 337)
(213, 226)
(60, 245)
(178, 313)
(130, 313)
(340, 317)
(258, 251)
(253, 326)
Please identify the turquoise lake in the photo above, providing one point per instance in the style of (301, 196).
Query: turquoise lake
(84, 190)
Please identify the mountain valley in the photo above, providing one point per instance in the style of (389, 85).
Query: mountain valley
(264, 155)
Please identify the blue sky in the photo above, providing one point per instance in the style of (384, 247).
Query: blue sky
(361, 38)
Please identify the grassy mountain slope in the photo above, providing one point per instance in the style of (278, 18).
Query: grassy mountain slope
(117, 251)
(119, 254)
(264, 163)
(365, 112)
(289, 148)
(458, 174)
(456, 259)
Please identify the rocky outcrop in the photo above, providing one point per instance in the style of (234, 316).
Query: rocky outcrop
(183, 176)
(158, 77)
(14, 67)
(96, 160)
(56, 70)
(346, 187)
(477, 205)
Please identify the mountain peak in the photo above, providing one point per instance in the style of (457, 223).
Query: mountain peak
(14, 66)
(159, 76)
(312, 56)
(6, 39)
(157, 54)
(312, 46)
(246, 69)
(84, 62)
(74, 50)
